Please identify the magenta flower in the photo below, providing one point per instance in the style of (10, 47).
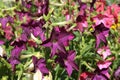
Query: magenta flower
(101, 32)
(58, 39)
(105, 19)
(5, 20)
(35, 27)
(67, 60)
(81, 23)
(104, 52)
(1, 42)
(8, 32)
(15, 53)
(117, 74)
(101, 74)
(40, 64)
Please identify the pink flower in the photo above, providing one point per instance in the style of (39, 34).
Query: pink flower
(104, 52)
(104, 64)
(105, 19)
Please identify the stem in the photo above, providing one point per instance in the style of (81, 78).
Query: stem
(5, 62)
(87, 65)
(62, 23)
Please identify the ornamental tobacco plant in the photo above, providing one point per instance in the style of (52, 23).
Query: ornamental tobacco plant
(59, 40)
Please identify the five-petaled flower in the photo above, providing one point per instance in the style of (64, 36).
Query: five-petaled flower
(40, 64)
(67, 60)
(58, 39)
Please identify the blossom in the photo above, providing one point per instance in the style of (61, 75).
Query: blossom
(58, 39)
(67, 61)
(1, 42)
(19, 45)
(5, 20)
(8, 32)
(40, 64)
(81, 23)
(104, 52)
(117, 74)
(104, 64)
(101, 32)
(102, 18)
(35, 27)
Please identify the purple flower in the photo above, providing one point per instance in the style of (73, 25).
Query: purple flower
(101, 74)
(15, 53)
(5, 20)
(58, 39)
(1, 42)
(40, 64)
(67, 61)
(34, 27)
(117, 74)
(100, 33)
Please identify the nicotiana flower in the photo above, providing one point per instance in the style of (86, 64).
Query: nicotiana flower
(104, 64)
(81, 22)
(113, 10)
(40, 64)
(104, 52)
(67, 60)
(101, 32)
(35, 27)
(103, 19)
(8, 32)
(58, 39)
(97, 75)
(117, 73)
(19, 45)
(5, 20)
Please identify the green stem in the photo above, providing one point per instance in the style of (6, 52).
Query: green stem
(5, 62)
(62, 23)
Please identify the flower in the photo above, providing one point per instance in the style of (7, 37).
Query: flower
(1, 42)
(104, 52)
(104, 64)
(101, 74)
(67, 61)
(107, 20)
(101, 32)
(117, 73)
(81, 23)
(58, 39)
(35, 27)
(40, 64)
(8, 32)
(5, 20)
(19, 45)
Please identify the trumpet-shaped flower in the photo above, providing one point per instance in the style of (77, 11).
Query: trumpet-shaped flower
(40, 64)
(58, 39)
(67, 61)
(104, 52)
(101, 32)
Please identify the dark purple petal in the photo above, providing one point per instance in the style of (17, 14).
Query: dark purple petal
(40, 64)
